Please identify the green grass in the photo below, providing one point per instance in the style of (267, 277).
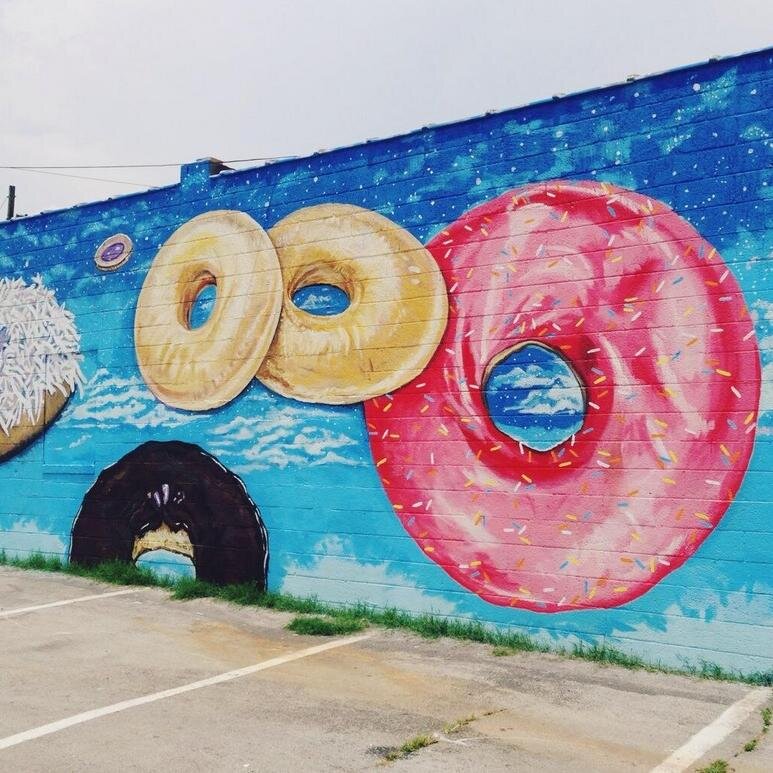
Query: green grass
(115, 572)
(503, 642)
(602, 653)
(751, 745)
(459, 724)
(718, 766)
(409, 747)
(420, 741)
(312, 625)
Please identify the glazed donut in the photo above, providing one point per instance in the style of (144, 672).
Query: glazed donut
(654, 327)
(396, 315)
(206, 367)
(39, 361)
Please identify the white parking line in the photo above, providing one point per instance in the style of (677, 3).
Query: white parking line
(726, 723)
(64, 602)
(87, 716)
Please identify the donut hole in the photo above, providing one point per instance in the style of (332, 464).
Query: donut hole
(167, 563)
(201, 301)
(534, 396)
(321, 300)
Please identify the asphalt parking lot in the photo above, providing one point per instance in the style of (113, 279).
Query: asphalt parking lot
(96, 677)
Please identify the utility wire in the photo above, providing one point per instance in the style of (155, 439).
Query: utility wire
(83, 166)
(25, 167)
(77, 176)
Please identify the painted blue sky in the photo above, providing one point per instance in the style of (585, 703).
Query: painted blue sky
(534, 396)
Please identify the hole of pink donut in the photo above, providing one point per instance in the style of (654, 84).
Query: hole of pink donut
(321, 300)
(534, 396)
(203, 302)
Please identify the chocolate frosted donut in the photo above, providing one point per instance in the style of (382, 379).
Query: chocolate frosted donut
(173, 496)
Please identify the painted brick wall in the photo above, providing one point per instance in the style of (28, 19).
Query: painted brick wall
(527, 382)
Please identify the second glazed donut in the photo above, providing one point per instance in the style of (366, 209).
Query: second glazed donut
(396, 315)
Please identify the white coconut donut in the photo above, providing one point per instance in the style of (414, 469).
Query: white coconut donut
(39, 361)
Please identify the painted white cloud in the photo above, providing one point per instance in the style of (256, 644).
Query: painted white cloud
(764, 308)
(336, 579)
(315, 302)
(282, 437)
(108, 399)
(547, 402)
(766, 393)
(268, 431)
(24, 537)
(527, 376)
(762, 313)
(705, 633)
(549, 392)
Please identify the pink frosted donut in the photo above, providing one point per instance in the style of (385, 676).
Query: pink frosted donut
(654, 327)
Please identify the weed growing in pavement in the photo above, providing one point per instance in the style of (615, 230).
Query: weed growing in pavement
(409, 747)
(751, 745)
(718, 766)
(426, 625)
(420, 741)
(326, 626)
(459, 724)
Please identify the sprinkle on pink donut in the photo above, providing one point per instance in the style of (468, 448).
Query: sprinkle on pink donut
(654, 326)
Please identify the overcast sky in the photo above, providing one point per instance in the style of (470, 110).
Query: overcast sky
(169, 81)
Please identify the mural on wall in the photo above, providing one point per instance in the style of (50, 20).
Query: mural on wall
(495, 370)
(666, 369)
(580, 270)
(39, 361)
(173, 496)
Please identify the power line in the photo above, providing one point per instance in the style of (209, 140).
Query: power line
(83, 166)
(78, 176)
(48, 169)
(30, 167)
